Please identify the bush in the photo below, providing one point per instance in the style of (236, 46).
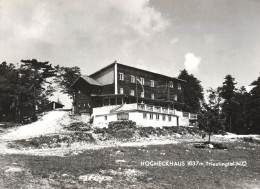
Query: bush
(124, 124)
(78, 126)
(124, 134)
(251, 140)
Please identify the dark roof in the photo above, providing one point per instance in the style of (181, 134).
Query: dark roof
(134, 68)
(88, 79)
(104, 68)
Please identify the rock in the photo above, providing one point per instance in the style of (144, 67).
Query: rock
(13, 170)
(118, 161)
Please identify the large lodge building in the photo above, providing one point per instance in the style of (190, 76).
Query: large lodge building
(121, 92)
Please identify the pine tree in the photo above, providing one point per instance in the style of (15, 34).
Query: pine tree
(210, 119)
(193, 92)
(8, 91)
(253, 108)
(229, 106)
(66, 77)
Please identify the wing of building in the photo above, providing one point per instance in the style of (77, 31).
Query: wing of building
(119, 92)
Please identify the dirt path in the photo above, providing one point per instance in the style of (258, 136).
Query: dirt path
(50, 123)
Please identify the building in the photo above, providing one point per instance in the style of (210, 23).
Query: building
(53, 105)
(118, 92)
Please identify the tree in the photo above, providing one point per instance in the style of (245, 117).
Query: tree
(23, 87)
(193, 92)
(230, 105)
(66, 77)
(8, 91)
(209, 119)
(242, 121)
(253, 108)
(35, 77)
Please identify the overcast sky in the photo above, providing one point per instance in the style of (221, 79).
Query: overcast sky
(210, 38)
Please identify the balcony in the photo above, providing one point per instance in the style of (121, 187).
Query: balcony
(157, 109)
(144, 107)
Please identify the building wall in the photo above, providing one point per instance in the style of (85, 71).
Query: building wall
(160, 89)
(105, 77)
(103, 121)
(108, 89)
(147, 122)
(82, 97)
(137, 116)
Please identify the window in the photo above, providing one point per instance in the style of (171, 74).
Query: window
(79, 91)
(169, 118)
(175, 97)
(105, 118)
(144, 115)
(123, 116)
(152, 83)
(106, 102)
(132, 79)
(179, 86)
(119, 101)
(163, 117)
(171, 84)
(157, 116)
(79, 105)
(152, 96)
(112, 101)
(121, 91)
(121, 76)
(142, 80)
(142, 94)
(151, 116)
(132, 93)
(84, 104)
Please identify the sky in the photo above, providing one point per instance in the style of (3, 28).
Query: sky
(209, 38)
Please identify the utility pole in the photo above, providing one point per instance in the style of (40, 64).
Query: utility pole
(136, 90)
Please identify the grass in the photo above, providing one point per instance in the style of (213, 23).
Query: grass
(52, 141)
(6, 125)
(63, 172)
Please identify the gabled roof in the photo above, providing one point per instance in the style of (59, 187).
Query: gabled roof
(55, 103)
(108, 66)
(88, 79)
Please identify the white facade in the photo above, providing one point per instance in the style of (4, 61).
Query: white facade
(143, 115)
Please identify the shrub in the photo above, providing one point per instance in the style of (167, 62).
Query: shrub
(124, 124)
(78, 126)
(124, 134)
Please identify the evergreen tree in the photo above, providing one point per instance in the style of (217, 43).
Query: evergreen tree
(34, 76)
(22, 87)
(66, 77)
(193, 92)
(210, 119)
(8, 91)
(253, 108)
(229, 106)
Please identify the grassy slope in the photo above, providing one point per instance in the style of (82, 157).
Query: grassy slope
(46, 172)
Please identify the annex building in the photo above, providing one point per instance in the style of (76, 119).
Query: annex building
(121, 92)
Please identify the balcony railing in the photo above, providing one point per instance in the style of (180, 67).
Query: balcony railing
(144, 107)
(159, 109)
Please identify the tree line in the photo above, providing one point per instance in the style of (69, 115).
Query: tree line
(225, 108)
(25, 87)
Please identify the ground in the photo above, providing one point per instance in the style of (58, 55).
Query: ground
(154, 162)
